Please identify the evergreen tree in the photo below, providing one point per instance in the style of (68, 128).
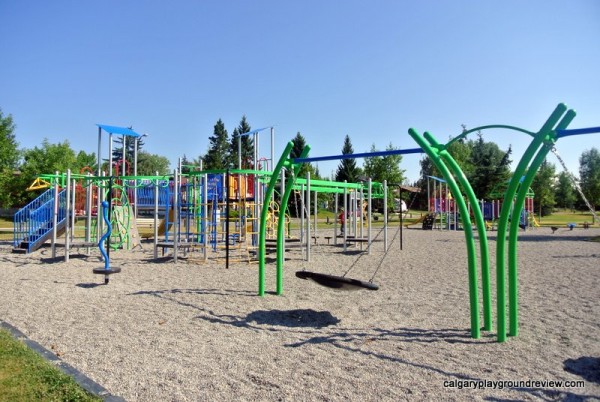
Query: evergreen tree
(299, 144)
(347, 169)
(247, 145)
(117, 153)
(217, 155)
(491, 167)
(185, 165)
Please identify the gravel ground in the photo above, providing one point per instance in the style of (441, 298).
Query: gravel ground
(197, 331)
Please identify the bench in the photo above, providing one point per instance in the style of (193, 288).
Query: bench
(356, 240)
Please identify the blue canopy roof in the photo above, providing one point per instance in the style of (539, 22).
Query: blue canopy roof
(253, 131)
(118, 130)
(437, 179)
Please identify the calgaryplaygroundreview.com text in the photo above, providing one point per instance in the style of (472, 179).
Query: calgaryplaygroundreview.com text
(501, 384)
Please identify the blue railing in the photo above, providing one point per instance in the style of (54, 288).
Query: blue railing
(34, 222)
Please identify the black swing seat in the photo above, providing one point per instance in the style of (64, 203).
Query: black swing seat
(336, 282)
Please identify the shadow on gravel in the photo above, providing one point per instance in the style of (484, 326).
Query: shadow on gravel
(586, 367)
(301, 318)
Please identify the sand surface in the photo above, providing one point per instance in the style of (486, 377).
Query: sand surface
(197, 331)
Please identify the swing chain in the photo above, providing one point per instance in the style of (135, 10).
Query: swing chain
(575, 183)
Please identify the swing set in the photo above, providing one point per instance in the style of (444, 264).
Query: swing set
(543, 141)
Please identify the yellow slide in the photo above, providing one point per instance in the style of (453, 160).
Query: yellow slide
(162, 227)
(421, 219)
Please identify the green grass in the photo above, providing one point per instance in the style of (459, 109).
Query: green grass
(562, 218)
(26, 376)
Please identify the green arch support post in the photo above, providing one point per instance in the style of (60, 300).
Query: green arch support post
(548, 142)
(283, 161)
(289, 186)
(434, 153)
(509, 196)
(481, 231)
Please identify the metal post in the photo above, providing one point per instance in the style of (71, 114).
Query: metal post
(175, 215)
(226, 192)
(124, 156)
(302, 215)
(99, 150)
(335, 220)
(369, 195)
(135, 172)
(360, 219)
(308, 236)
(282, 209)
(88, 212)
(67, 215)
(205, 213)
(385, 217)
(156, 195)
(110, 172)
(239, 152)
(401, 216)
(315, 218)
(55, 217)
(354, 210)
(99, 220)
(345, 216)
(73, 199)
(273, 148)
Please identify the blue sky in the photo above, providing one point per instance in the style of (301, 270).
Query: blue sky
(326, 69)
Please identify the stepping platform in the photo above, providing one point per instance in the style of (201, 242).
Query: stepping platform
(169, 244)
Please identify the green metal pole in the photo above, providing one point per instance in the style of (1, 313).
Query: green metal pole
(262, 236)
(281, 222)
(433, 153)
(504, 216)
(480, 223)
(513, 282)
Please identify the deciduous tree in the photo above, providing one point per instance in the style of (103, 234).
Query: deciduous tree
(589, 175)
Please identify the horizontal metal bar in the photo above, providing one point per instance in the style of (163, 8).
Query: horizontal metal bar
(360, 155)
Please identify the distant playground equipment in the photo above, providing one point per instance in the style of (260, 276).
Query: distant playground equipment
(107, 270)
(443, 212)
(206, 214)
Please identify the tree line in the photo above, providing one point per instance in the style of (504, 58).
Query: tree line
(486, 166)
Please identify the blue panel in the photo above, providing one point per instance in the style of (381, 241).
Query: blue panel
(437, 179)
(118, 130)
(253, 131)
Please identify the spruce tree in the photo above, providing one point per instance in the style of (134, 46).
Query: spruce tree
(217, 155)
(347, 169)
(247, 145)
